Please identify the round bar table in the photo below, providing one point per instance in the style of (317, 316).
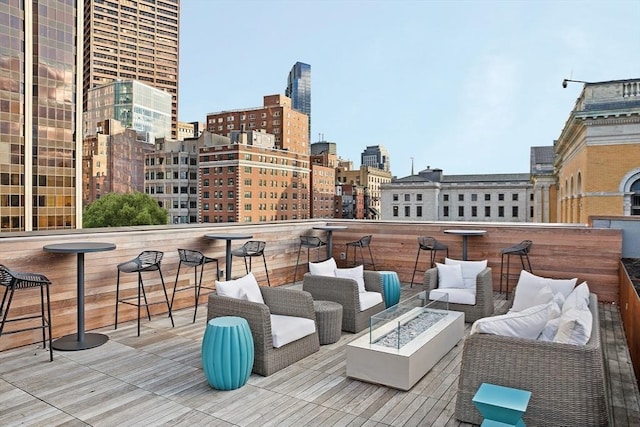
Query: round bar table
(228, 237)
(465, 233)
(79, 340)
(330, 229)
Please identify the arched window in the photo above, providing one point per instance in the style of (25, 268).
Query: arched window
(635, 198)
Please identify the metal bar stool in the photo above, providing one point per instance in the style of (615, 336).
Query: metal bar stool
(195, 259)
(522, 250)
(146, 261)
(13, 280)
(364, 242)
(430, 244)
(249, 250)
(308, 242)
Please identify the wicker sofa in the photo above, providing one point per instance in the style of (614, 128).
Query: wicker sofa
(484, 306)
(288, 302)
(345, 292)
(566, 381)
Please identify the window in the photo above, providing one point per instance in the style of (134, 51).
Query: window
(501, 196)
(445, 197)
(407, 211)
(461, 197)
(474, 197)
(445, 211)
(474, 211)
(407, 197)
(419, 197)
(418, 211)
(514, 211)
(487, 197)
(460, 211)
(487, 211)
(531, 211)
(395, 211)
(395, 197)
(514, 197)
(501, 211)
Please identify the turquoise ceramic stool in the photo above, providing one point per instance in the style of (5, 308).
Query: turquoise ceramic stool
(227, 352)
(391, 287)
(501, 406)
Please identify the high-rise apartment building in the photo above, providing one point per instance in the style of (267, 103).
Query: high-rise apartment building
(323, 162)
(40, 123)
(276, 117)
(133, 40)
(376, 156)
(299, 90)
(136, 105)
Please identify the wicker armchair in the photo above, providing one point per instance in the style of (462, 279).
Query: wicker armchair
(345, 292)
(566, 381)
(484, 306)
(287, 302)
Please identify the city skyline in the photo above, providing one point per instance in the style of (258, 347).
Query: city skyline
(488, 85)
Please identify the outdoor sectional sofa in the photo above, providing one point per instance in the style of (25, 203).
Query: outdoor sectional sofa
(566, 381)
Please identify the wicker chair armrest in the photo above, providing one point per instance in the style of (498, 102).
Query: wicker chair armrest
(373, 281)
(431, 279)
(337, 289)
(289, 302)
(257, 315)
(484, 288)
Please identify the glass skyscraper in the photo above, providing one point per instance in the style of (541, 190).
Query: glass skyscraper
(299, 89)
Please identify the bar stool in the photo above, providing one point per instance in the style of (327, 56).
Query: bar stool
(308, 242)
(364, 242)
(146, 261)
(522, 250)
(249, 250)
(13, 280)
(430, 244)
(195, 259)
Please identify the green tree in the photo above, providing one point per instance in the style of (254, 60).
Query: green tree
(119, 210)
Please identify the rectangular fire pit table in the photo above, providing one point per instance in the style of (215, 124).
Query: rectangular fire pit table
(395, 363)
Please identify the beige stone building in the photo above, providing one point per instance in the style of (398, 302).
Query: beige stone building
(370, 179)
(597, 156)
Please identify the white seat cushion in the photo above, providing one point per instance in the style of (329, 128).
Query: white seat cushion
(369, 299)
(470, 270)
(455, 296)
(324, 268)
(245, 288)
(355, 273)
(286, 329)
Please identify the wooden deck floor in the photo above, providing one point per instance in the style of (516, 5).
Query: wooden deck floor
(156, 379)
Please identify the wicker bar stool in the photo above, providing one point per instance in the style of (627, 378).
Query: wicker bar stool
(363, 242)
(308, 242)
(426, 243)
(521, 250)
(249, 250)
(13, 280)
(195, 259)
(146, 261)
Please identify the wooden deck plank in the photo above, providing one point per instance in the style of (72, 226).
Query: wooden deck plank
(156, 379)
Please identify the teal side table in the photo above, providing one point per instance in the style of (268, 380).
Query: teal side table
(391, 287)
(501, 406)
(227, 352)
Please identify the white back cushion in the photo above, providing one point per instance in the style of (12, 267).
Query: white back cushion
(324, 268)
(529, 285)
(450, 276)
(578, 298)
(575, 326)
(355, 273)
(369, 299)
(246, 288)
(470, 269)
(286, 329)
(523, 324)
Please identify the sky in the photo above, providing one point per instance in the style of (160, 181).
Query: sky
(465, 86)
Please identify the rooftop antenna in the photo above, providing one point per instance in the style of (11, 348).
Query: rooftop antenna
(412, 166)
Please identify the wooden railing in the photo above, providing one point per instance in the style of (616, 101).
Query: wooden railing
(560, 251)
(630, 313)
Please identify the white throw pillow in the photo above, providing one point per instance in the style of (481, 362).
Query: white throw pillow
(246, 288)
(550, 330)
(470, 269)
(575, 327)
(523, 324)
(355, 273)
(578, 298)
(450, 276)
(529, 285)
(324, 268)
